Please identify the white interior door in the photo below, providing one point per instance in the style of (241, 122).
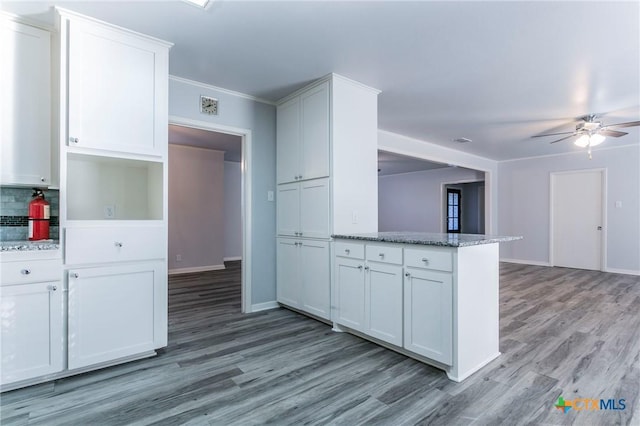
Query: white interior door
(577, 219)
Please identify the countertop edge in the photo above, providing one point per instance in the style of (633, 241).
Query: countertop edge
(427, 241)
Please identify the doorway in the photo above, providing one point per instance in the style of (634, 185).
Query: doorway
(577, 217)
(244, 136)
(463, 207)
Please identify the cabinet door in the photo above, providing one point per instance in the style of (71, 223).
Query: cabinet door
(315, 132)
(25, 104)
(315, 277)
(288, 202)
(118, 85)
(288, 272)
(31, 331)
(116, 312)
(288, 137)
(383, 307)
(350, 300)
(314, 208)
(428, 314)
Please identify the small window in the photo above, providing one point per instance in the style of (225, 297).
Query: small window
(453, 210)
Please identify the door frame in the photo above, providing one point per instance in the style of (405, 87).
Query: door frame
(245, 196)
(443, 201)
(603, 206)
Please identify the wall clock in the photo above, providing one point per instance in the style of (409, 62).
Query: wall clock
(208, 105)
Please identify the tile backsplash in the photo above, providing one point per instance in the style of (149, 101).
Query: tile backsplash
(14, 211)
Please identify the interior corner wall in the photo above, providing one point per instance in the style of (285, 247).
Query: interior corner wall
(524, 206)
(196, 208)
(414, 201)
(404, 145)
(232, 210)
(259, 117)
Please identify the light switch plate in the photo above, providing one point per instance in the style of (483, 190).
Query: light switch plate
(109, 211)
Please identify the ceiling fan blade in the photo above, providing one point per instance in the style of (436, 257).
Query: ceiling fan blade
(551, 134)
(612, 133)
(628, 124)
(566, 137)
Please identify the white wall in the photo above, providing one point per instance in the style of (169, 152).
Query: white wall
(524, 205)
(236, 110)
(232, 210)
(413, 201)
(404, 145)
(196, 208)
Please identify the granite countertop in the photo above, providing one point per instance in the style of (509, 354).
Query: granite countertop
(429, 239)
(29, 245)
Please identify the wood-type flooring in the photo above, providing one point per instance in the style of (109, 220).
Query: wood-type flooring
(564, 332)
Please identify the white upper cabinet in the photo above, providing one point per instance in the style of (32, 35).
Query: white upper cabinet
(303, 136)
(25, 104)
(117, 89)
(303, 209)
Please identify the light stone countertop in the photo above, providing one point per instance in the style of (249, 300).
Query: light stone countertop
(7, 246)
(429, 239)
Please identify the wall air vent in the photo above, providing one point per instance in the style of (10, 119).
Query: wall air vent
(462, 140)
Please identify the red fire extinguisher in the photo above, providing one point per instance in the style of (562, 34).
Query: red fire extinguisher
(39, 214)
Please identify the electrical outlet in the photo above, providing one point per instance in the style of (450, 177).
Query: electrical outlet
(178, 258)
(354, 216)
(110, 211)
(269, 195)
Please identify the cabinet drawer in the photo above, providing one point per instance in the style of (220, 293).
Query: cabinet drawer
(440, 260)
(114, 244)
(386, 254)
(350, 250)
(31, 271)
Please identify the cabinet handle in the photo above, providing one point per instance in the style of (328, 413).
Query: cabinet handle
(296, 177)
(366, 268)
(74, 140)
(381, 255)
(425, 260)
(406, 274)
(42, 179)
(360, 267)
(300, 234)
(53, 288)
(25, 271)
(118, 244)
(300, 177)
(74, 275)
(347, 251)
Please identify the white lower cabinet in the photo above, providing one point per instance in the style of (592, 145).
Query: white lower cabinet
(31, 330)
(303, 278)
(383, 302)
(350, 289)
(428, 314)
(115, 312)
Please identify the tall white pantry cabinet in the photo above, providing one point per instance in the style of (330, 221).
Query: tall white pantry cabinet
(113, 192)
(327, 183)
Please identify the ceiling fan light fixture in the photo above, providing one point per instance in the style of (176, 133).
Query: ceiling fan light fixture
(597, 139)
(582, 141)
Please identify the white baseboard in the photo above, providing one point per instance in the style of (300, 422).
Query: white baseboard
(264, 306)
(195, 269)
(526, 262)
(622, 271)
(232, 258)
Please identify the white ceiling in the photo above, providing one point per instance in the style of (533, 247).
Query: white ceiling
(494, 72)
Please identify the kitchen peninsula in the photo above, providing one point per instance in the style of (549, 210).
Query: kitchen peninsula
(433, 297)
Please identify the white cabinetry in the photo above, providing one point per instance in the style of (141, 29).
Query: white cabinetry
(369, 293)
(303, 209)
(25, 104)
(113, 213)
(31, 332)
(303, 136)
(428, 314)
(436, 304)
(116, 311)
(303, 275)
(117, 89)
(326, 175)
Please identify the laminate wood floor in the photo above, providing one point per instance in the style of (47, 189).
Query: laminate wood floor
(564, 332)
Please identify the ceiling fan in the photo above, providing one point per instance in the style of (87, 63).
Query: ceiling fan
(591, 132)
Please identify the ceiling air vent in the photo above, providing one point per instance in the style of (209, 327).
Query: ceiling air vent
(462, 140)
